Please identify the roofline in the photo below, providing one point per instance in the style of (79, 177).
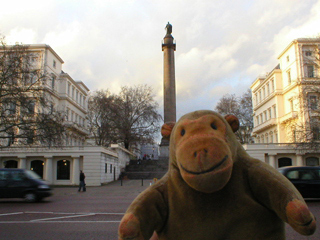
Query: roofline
(267, 75)
(300, 40)
(82, 83)
(45, 46)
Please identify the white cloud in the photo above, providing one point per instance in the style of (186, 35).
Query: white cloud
(21, 35)
(222, 46)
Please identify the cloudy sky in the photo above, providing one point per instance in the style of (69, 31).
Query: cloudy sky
(222, 46)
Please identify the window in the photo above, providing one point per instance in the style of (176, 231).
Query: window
(293, 174)
(288, 59)
(308, 53)
(106, 168)
(9, 108)
(282, 162)
(53, 79)
(110, 168)
(265, 115)
(264, 92)
(69, 85)
(268, 89)
(30, 136)
(54, 64)
(310, 71)
(37, 166)
(272, 84)
(289, 77)
(269, 112)
(260, 98)
(313, 102)
(4, 175)
(30, 108)
(63, 170)
(258, 122)
(11, 137)
(312, 161)
(274, 111)
(67, 114)
(30, 78)
(291, 105)
(11, 164)
(316, 133)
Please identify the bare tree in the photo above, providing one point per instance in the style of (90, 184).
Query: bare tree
(101, 114)
(303, 128)
(27, 114)
(129, 117)
(242, 108)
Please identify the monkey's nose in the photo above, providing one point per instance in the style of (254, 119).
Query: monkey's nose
(203, 151)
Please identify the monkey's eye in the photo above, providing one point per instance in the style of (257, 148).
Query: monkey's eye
(213, 126)
(182, 132)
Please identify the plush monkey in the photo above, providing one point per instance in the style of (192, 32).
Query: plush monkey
(215, 190)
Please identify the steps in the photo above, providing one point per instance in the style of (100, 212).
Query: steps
(146, 169)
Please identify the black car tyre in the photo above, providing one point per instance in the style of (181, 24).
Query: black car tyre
(30, 197)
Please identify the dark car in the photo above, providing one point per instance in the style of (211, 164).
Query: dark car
(305, 179)
(22, 183)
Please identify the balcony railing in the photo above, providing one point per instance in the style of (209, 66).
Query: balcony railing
(265, 125)
(289, 116)
(77, 127)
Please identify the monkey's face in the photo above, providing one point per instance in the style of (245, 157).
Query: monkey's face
(202, 152)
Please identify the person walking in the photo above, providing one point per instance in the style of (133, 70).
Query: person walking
(82, 182)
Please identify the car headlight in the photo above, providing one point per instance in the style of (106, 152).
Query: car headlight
(43, 186)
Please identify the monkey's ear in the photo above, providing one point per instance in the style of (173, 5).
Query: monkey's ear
(233, 122)
(166, 129)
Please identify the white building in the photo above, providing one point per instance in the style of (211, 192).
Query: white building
(286, 109)
(61, 166)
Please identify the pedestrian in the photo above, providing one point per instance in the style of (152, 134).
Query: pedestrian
(82, 182)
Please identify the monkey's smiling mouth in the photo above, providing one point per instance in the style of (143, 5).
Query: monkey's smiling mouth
(208, 170)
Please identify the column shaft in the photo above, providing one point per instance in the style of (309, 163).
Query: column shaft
(76, 171)
(49, 170)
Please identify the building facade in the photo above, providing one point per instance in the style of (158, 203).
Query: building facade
(286, 109)
(61, 165)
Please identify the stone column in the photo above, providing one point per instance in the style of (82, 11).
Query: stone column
(49, 170)
(299, 160)
(23, 163)
(272, 161)
(169, 83)
(76, 170)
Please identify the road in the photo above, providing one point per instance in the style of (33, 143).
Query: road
(90, 215)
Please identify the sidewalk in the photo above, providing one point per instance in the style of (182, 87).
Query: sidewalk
(129, 188)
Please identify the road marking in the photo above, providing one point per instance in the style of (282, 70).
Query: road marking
(17, 222)
(44, 219)
(6, 214)
(68, 213)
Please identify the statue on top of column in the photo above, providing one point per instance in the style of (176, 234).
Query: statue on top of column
(169, 28)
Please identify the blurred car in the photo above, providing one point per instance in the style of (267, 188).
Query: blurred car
(22, 183)
(306, 179)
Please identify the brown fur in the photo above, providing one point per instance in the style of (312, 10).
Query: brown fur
(215, 190)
